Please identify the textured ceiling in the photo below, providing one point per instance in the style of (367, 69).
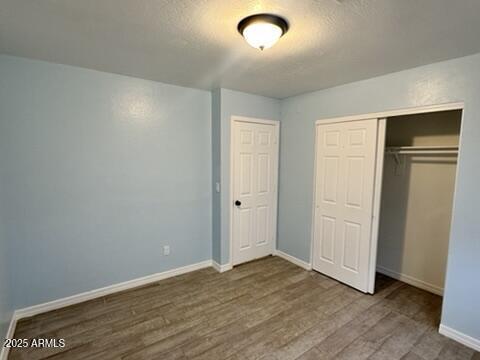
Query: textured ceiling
(195, 43)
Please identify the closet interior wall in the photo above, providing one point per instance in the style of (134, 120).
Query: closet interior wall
(417, 200)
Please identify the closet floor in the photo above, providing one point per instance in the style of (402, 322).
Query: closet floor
(267, 309)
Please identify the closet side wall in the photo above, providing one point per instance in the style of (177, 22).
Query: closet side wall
(417, 201)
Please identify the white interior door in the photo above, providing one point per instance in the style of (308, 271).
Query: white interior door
(344, 193)
(255, 159)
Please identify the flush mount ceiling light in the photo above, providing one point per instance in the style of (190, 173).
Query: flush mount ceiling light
(262, 30)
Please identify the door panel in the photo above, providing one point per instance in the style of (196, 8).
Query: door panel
(327, 245)
(345, 172)
(351, 246)
(330, 178)
(354, 181)
(255, 158)
(246, 171)
(262, 225)
(245, 228)
(263, 173)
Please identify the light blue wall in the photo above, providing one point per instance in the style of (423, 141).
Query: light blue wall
(216, 175)
(6, 304)
(450, 81)
(240, 104)
(5, 288)
(99, 172)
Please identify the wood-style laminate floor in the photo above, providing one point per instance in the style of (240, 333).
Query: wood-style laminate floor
(267, 309)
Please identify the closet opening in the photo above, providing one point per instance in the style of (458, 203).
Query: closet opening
(417, 191)
(383, 197)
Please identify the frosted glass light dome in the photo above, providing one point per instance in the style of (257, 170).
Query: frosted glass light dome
(262, 31)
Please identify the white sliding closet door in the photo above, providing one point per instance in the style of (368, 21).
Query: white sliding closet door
(344, 192)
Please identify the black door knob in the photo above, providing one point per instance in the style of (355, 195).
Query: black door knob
(238, 203)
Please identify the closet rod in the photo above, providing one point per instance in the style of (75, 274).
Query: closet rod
(422, 152)
(448, 147)
(427, 150)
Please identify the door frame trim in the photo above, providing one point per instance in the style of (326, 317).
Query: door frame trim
(276, 124)
(379, 171)
(377, 196)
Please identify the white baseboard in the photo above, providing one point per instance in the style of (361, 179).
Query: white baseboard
(89, 295)
(411, 280)
(10, 332)
(460, 337)
(293, 259)
(221, 268)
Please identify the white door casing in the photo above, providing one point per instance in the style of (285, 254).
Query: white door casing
(254, 180)
(344, 193)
